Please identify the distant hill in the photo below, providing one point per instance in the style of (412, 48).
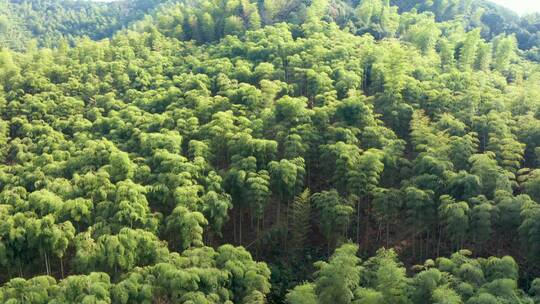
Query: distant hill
(49, 21)
(493, 19)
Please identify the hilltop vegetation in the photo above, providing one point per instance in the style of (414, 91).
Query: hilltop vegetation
(49, 22)
(220, 151)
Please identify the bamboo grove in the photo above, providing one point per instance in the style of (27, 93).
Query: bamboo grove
(272, 152)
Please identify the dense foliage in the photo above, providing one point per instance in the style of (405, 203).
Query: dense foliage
(492, 19)
(382, 279)
(160, 165)
(51, 21)
(48, 22)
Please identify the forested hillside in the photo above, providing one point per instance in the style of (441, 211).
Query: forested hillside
(48, 22)
(300, 152)
(492, 20)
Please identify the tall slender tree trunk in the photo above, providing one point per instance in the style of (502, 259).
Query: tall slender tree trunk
(379, 232)
(413, 243)
(251, 219)
(287, 225)
(328, 248)
(367, 225)
(278, 214)
(240, 229)
(47, 269)
(234, 225)
(308, 174)
(387, 232)
(427, 243)
(62, 266)
(358, 221)
(439, 241)
(420, 247)
(262, 221)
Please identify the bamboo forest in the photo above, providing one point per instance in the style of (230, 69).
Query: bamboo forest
(269, 151)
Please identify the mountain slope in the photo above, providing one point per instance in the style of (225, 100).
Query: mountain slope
(49, 21)
(213, 153)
